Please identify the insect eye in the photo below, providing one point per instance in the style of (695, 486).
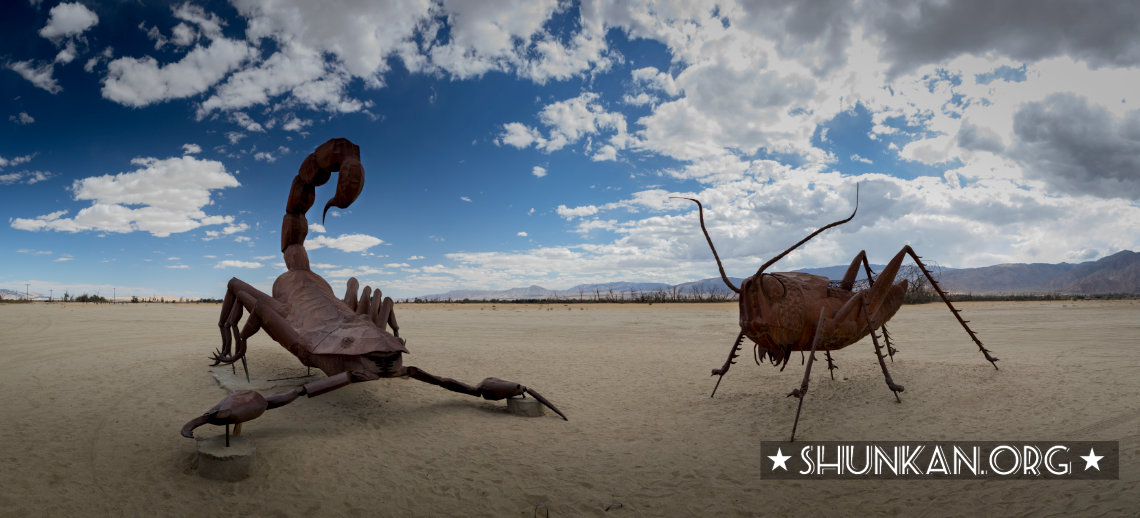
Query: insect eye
(771, 287)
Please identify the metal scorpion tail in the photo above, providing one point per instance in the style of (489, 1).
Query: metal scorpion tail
(701, 213)
(336, 155)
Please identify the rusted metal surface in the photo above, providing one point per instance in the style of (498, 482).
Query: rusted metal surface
(347, 338)
(785, 312)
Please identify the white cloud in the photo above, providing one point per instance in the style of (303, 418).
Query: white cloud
(519, 135)
(25, 177)
(231, 263)
(66, 54)
(568, 122)
(39, 75)
(521, 234)
(465, 198)
(139, 82)
(293, 123)
(576, 212)
(538, 171)
(162, 196)
(183, 35)
(68, 19)
(178, 267)
(234, 229)
(343, 242)
(317, 227)
(22, 118)
(5, 162)
(191, 149)
(246, 122)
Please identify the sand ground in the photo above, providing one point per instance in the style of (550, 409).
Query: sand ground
(93, 397)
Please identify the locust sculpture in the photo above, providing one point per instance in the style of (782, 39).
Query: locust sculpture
(791, 311)
(346, 338)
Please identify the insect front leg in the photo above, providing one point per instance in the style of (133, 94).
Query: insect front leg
(801, 392)
(732, 355)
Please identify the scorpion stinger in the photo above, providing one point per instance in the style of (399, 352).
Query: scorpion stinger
(346, 338)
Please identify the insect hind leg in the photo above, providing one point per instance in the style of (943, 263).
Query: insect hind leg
(942, 294)
(895, 388)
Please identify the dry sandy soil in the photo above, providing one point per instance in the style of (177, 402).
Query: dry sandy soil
(94, 396)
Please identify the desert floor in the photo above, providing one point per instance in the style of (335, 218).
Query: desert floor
(93, 397)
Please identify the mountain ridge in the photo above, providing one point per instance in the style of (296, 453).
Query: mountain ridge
(1118, 273)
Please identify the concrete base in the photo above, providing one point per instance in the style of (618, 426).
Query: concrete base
(528, 407)
(217, 462)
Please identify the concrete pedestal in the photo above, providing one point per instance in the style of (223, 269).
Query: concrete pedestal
(528, 407)
(217, 462)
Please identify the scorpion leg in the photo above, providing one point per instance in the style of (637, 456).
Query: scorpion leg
(802, 391)
(728, 363)
(247, 405)
(491, 389)
(350, 292)
(265, 312)
(831, 366)
(365, 300)
(895, 389)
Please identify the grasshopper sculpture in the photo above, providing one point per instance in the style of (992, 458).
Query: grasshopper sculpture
(788, 311)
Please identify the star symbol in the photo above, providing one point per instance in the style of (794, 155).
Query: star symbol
(779, 460)
(1092, 460)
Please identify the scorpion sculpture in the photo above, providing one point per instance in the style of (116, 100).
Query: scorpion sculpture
(792, 311)
(345, 338)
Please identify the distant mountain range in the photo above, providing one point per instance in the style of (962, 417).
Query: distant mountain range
(1115, 274)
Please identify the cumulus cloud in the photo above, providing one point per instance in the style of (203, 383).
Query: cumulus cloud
(68, 19)
(538, 171)
(343, 242)
(139, 82)
(161, 196)
(1077, 147)
(568, 122)
(1029, 30)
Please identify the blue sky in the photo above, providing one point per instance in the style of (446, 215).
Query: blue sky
(148, 149)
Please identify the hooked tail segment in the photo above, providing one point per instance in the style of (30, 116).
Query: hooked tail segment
(336, 155)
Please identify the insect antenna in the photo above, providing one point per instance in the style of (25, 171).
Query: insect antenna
(701, 213)
(806, 239)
